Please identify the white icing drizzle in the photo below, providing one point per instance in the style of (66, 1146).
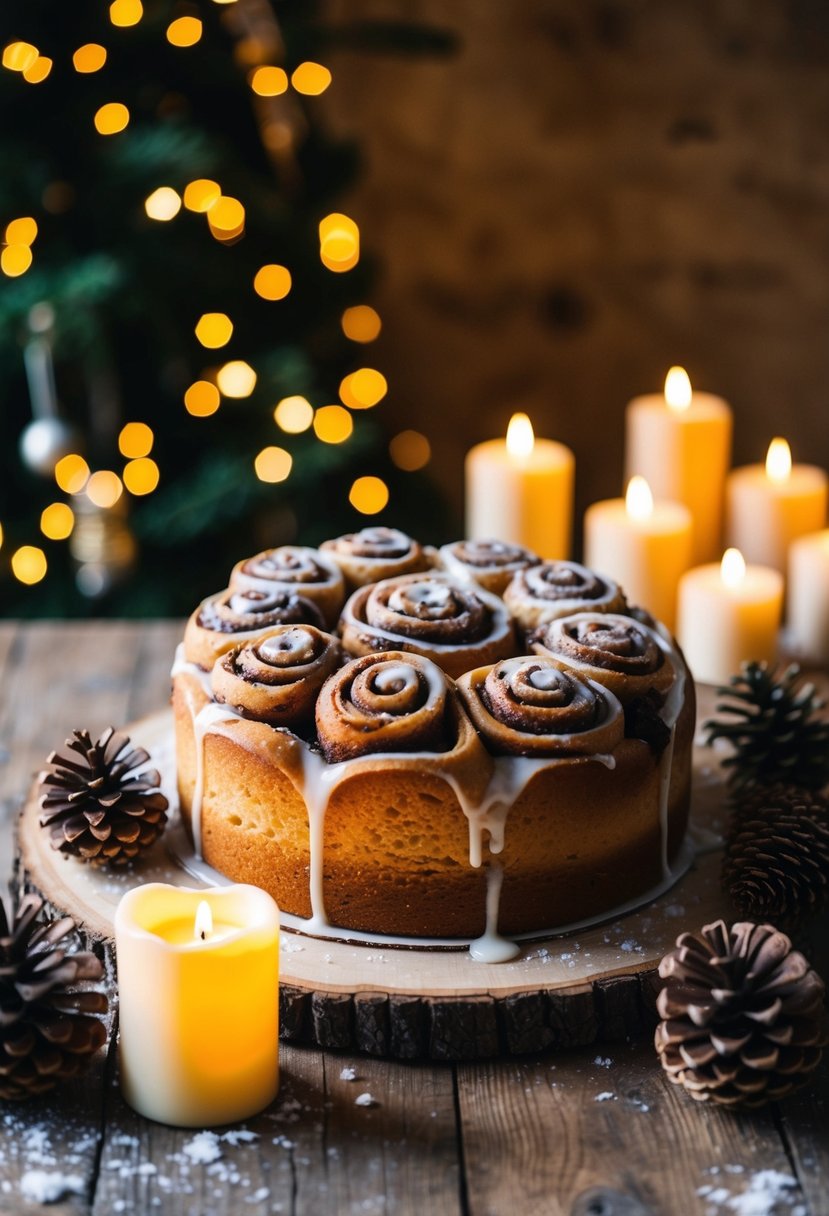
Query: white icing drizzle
(490, 947)
(510, 776)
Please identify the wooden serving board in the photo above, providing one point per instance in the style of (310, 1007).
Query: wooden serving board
(589, 985)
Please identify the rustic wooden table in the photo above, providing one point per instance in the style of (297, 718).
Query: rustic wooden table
(596, 1132)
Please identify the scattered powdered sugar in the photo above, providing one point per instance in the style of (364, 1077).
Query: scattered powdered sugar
(767, 1193)
(348, 1074)
(365, 1100)
(203, 1148)
(45, 1186)
(240, 1135)
(605, 1096)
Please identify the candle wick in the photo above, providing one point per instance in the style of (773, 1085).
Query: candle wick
(203, 935)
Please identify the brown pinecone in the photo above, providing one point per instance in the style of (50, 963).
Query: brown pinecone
(776, 863)
(45, 1033)
(743, 1020)
(94, 803)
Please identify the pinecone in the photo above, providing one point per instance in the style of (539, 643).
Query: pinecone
(96, 806)
(45, 1033)
(776, 734)
(742, 1012)
(776, 863)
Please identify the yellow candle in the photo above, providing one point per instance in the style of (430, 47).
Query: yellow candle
(808, 597)
(521, 490)
(198, 983)
(680, 441)
(645, 546)
(729, 613)
(770, 506)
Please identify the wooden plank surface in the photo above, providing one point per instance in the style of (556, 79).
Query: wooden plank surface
(595, 1132)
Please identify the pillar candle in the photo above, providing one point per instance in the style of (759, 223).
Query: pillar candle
(680, 442)
(770, 506)
(521, 490)
(729, 613)
(198, 974)
(643, 545)
(808, 597)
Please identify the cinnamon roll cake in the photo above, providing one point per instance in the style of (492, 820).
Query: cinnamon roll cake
(470, 720)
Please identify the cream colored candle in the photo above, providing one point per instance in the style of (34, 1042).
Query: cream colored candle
(770, 506)
(643, 545)
(198, 984)
(521, 490)
(729, 613)
(680, 442)
(808, 597)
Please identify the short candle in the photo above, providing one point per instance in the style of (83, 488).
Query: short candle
(644, 545)
(729, 613)
(808, 597)
(680, 441)
(520, 489)
(198, 982)
(769, 506)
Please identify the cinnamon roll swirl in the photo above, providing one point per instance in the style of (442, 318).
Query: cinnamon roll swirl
(529, 707)
(392, 702)
(376, 553)
(230, 617)
(276, 677)
(306, 572)
(490, 563)
(625, 656)
(553, 589)
(457, 625)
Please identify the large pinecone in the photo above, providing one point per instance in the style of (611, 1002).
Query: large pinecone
(45, 1033)
(743, 1020)
(774, 728)
(776, 863)
(96, 806)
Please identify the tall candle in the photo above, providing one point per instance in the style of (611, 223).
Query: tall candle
(198, 983)
(769, 506)
(808, 597)
(680, 442)
(645, 546)
(729, 613)
(521, 490)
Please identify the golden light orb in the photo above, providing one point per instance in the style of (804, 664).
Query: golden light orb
(272, 282)
(214, 329)
(141, 476)
(410, 451)
(21, 231)
(163, 204)
(39, 70)
(201, 194)
(369, 495)
(236, 379)
(19, 56)
(311, 78)
(202, 399)
(104, 488)
(57, 521)
(135, 440)
(15, 260)
(184, 31)
(294, 414)
(267, 81)
(333, 424)
(125, 13)
(71, 473)
(363, 389)
(29, 564)
(273, 464)
(361, 323)
(90, 57)
(111, 118)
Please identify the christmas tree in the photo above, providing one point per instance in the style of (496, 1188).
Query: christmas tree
(174, 247)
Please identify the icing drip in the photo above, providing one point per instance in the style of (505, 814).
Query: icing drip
(490, 947)
(670, 712)
(208, 717)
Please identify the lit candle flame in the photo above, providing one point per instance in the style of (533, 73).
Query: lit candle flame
(678, 392)
(732, 567)
(520, 437)
(779, 460)
(638, 499)
(204, 921)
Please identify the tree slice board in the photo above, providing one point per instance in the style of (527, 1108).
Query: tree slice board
(588, 985)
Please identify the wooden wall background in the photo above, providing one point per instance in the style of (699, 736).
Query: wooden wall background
(583, 192)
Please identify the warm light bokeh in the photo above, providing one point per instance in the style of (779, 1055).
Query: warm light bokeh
(202, 399)
(361, 323)
(236, 379)
(333, 424)
(57, 521)
(214, 329)
(141, 476)
(294, 415)
(410, 451)
(135, 440)
(272, 282)
(71, 473)
(369, 495)
(273, 464)
(363, 389)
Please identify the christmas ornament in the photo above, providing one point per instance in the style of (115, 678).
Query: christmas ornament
(47, 437)
(776, 864)
(46, 1033)
(775, 731)
(743, 1020)
(94, 803)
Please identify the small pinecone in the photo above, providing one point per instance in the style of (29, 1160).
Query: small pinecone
(774, 729)
(776, 864)
(96, 806)
(45, 1033)
(742, 1012)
